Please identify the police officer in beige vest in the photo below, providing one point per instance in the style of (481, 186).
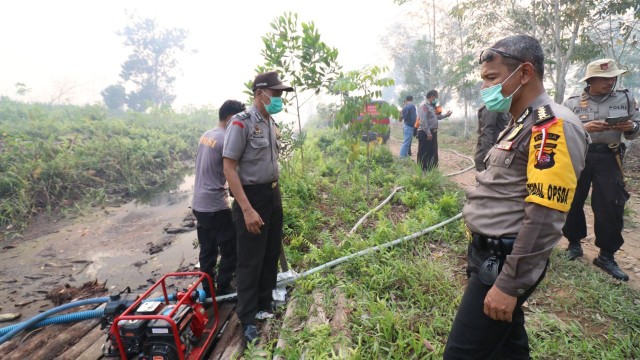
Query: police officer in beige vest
(517, 209)
(250, 158)
(607, 114)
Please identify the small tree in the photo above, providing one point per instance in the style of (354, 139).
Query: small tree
(358, 89)
(301, 58)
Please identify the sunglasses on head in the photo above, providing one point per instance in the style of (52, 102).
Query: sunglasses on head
(488, 54)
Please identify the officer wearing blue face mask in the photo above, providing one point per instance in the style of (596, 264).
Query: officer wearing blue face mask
(250, 158)
(516, 211)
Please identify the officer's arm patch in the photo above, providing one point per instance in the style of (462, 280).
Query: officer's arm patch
(238, 123)
(551, 181)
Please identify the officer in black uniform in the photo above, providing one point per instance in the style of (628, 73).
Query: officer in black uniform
(607, 115)
(251, 167)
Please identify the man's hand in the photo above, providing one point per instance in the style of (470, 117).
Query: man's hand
(623, 126)
(253, 221)
(498, 305)
(429, 136)
(597, 126)
(448, 114)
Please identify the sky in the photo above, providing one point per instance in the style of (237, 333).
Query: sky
(69, 49)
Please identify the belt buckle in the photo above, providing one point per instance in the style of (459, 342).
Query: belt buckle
(274, 184)
(614, 146)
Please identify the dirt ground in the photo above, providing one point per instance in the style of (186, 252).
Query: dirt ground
(628, 257)
(124, 246)
(128, 246)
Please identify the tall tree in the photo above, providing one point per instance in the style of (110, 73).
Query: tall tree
(148, 73)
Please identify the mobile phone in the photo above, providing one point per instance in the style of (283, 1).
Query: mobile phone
(617, 120)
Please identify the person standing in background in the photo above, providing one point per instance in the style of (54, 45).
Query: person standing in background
(428, 132)
(490, 124)
(409, 121)
(211, 208)
(603, 169)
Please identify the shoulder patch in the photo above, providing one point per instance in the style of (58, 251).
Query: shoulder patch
(238, 123)
(542, 114)
(244, 115)
(551, 181)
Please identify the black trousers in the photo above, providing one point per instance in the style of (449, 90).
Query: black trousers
(258, 253)
(428, 150)
(474, 335)
(215, 230)
(607, 201)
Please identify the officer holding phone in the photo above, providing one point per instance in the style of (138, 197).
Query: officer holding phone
(607, 115)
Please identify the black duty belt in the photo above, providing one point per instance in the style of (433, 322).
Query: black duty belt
(270, 185)
(600, 148)
(499, 247)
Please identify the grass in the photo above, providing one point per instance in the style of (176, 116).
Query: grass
(397, 303)
(402, 300)
(54, 158)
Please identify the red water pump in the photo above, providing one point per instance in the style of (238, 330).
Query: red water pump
(171, 327)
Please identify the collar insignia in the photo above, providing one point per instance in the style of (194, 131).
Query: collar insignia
(524, 115)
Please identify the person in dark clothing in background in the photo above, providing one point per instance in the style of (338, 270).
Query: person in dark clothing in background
(490, 124)
(409, 121)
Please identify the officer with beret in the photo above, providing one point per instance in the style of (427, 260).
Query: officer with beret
(607, 114)
(516, 211)
(251, 168)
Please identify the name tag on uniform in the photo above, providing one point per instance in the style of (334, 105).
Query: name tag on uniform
(505, 145)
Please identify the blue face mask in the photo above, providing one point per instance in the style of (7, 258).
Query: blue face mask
(493, 99)
(274, 106)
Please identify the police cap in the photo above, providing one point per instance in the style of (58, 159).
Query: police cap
(270, 80)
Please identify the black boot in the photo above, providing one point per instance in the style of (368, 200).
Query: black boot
(574, 250)
(605, 261)
(250, 332)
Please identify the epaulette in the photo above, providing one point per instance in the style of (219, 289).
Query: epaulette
(542, 114)
(244, 115)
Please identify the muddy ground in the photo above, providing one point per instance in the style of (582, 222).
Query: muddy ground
(128, 246)
(124, 246)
